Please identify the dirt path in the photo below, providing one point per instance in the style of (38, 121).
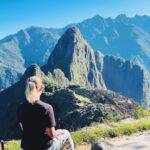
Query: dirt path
(138, 141)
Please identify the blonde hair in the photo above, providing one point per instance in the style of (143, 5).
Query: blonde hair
(33, 83)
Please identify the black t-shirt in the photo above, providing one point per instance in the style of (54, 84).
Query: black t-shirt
(35, 118)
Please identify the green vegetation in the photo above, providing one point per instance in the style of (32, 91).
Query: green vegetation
(51, 88)
(113, 118)
(97, 132)
(140, 112)
(12, 145)
(82, 98)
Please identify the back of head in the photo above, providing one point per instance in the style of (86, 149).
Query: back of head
(33, 84)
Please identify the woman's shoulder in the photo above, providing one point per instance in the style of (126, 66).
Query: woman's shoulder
(44, 104)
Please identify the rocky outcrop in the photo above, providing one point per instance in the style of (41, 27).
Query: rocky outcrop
(76, 59)
(102, 145)
(146, 89)
(128, 142)
(127, 78)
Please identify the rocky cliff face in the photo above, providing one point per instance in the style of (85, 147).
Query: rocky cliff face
(76, 59)
(127, 78)
(146, 89)
(99, 57)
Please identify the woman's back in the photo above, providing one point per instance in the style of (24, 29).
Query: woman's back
(37, 121)
(35, 118)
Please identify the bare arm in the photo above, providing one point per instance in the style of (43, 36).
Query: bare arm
(51, 123)
(52, 132)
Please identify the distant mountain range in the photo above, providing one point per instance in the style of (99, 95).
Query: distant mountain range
(19, 51)
(123, 36)
(77, 61)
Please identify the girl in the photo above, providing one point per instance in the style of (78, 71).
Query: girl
(37, 121)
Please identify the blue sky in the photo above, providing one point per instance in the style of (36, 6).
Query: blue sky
(19, 14)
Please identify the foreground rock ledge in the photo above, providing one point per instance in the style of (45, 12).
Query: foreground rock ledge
(138, 141)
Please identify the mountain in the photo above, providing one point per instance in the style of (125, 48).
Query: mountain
(19, 51)
(127, 78)
(122, 36)
(81, 65)
(73, 60)
(33, 44)
(76, 59)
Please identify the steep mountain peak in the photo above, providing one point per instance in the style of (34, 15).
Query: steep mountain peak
(94, 21)
(70, 43)
(75, 58)
(72, 34)
(37, 30)
(97, 17)
(121, 16)
(73, 30)
(34, 69)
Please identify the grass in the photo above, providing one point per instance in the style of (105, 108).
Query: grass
(12, 145)
(112, 118)
(140, 112)
(99, 131)
(82, 99)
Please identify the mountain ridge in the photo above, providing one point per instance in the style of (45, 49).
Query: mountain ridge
(109, 35)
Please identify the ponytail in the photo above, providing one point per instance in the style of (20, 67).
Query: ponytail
(31, 91)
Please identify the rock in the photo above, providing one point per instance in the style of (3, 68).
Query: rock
(99, 57)
(102, 145)
(127, 78)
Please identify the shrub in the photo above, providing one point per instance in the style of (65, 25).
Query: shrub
(113, 117)
(140, 112)
(82, 98)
